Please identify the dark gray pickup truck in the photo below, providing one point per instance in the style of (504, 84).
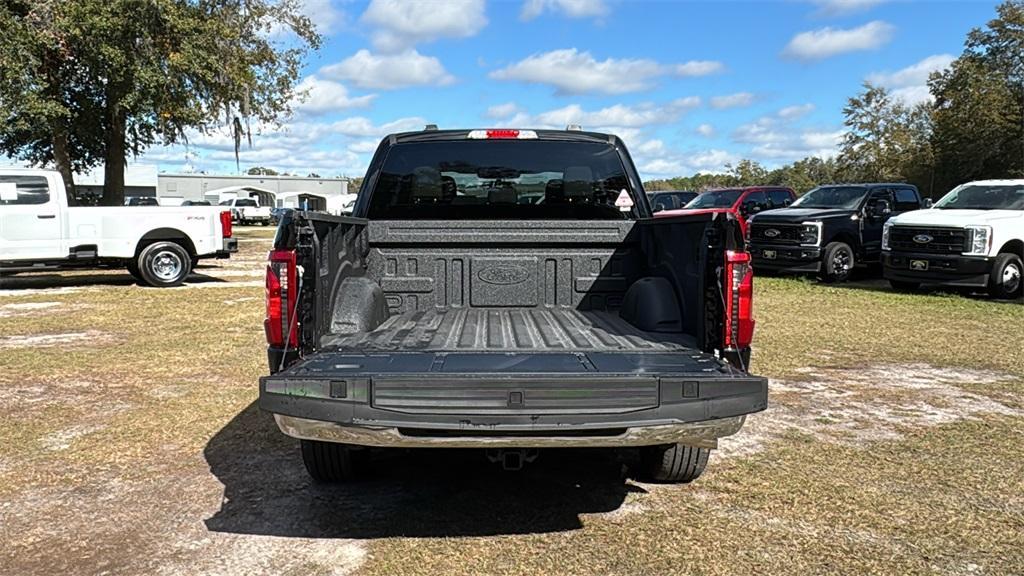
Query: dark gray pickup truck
(508, 290)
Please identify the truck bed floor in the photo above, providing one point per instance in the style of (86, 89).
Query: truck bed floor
(510, 329)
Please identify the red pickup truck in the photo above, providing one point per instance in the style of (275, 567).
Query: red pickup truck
(741, 202)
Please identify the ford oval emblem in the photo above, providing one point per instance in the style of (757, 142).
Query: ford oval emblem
(771, 233)
(923, 238)
(503, 275)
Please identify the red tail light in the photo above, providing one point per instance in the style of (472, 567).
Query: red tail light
(739, 300)
(225, 223)
(282, 294)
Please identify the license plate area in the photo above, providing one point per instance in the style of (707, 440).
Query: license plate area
(919, 265)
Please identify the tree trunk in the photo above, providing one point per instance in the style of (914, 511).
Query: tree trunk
(62, 160)
(113, 169)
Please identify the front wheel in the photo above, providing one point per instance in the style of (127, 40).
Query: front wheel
(331, 462)
(1005, 281)
(837, 262)
(675, 463)
(164, 264)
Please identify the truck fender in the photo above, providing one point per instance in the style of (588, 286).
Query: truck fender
(168, 234)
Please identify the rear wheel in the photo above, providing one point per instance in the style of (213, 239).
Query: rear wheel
(1007, 277)
(133, 269)
(837, 262)
(164, 264)
(331, 462)
(674, 462)
(904, 286)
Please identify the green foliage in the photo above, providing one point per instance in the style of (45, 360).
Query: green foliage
(801, 176)
(261, 171)
(116, 76)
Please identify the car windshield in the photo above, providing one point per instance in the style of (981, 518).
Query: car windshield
(843, 197)
(716, 199)
(500, 179)
(987, 197)
(246, 202)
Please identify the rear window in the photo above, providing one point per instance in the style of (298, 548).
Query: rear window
(500, 179)
(246, 202)
(716, 199)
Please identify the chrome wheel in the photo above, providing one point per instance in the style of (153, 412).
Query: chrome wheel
(841, 262)
(166, 265)
(1011, 278)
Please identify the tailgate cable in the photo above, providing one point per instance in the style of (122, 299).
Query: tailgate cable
(294, 319)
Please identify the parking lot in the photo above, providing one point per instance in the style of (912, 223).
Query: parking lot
(894, 442)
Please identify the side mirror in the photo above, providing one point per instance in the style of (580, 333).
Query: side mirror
(927, 203)
(881, 209)
(658, 207)
(750, 207)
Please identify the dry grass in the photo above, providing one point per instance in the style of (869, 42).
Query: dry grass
(136, 450)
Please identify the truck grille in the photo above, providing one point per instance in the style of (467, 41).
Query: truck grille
(942, 240)
(768, 233)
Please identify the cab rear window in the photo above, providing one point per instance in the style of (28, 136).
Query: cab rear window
(499, 180)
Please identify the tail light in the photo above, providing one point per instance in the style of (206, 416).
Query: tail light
(225, 223)
(739, 300)
(502, 134)
(282, 294)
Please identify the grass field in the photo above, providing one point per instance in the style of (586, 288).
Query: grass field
(894, 444)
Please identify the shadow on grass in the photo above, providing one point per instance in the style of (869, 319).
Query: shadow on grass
(412, 493)
(48, 280)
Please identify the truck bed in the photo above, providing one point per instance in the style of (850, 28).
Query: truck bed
(510, 330)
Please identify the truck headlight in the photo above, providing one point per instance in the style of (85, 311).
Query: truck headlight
(885, 235)
(979, 240)
(810, 233)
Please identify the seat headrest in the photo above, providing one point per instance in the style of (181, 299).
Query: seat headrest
(503, 195)
(578, 181)
(554, 192)
(426, 183)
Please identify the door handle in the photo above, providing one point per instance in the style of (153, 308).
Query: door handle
(46, 216)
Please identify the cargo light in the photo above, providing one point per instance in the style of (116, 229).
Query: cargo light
(502, 134)
(739, 300)
(282, 296)
(225, 223)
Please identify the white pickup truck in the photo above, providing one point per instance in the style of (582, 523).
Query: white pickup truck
(158, 245)
(973, 238)
(248, 211)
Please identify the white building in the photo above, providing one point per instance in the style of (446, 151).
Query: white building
(213, 187)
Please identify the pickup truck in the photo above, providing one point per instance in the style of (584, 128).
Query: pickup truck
(41, 228)
(973, 237)
(829, 230)
(741, 202)
(248, 211)
(446, 313)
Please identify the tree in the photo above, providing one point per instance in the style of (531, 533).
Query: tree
(261, 171)
(979, 103)
(91, 81)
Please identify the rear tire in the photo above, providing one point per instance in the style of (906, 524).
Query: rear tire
(1007, 277)
(674, 463)
(330, 462)
(902, 286)
(164, 264)
(133, 269)
(837, 262)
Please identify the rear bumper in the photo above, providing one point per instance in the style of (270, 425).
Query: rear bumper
(228, 247)
(787, 258)
(702, 434)
(948, 270)
(513, 410)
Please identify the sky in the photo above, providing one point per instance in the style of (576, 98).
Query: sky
(689, 86)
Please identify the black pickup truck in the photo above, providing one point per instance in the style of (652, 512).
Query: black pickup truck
(829, 230)
(447, 313)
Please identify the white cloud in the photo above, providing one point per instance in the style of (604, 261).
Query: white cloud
(324, 15)
(573, 72)
(326, 96)
(389, 71)
(363, 146)
(506, 110)
(794, 112)
(698, 68)
(738, 100)
(570, 8)
(684, 163)
(400, 25)
(910, 84)
(358, 126)
(706, 130)
(828, 8)
(777, 138)
(619, 115)
(827, 42)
